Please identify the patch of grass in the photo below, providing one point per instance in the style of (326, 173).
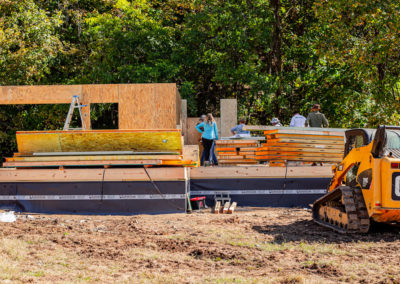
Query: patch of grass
(272, 246)
(38, 274)
(232, 279)
(321, 248)
(291, 279)
(13, 249)
(180, 237)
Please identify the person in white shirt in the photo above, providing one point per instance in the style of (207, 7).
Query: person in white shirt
(298, 120)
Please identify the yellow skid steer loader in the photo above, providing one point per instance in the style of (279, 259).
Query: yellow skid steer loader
(365, 185)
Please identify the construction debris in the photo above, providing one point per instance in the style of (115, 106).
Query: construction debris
(8, 217)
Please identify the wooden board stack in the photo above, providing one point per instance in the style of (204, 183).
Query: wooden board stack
(104, 148)
(308, 146)
(240, 151)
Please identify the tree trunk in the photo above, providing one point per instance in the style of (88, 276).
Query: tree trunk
(277, 50)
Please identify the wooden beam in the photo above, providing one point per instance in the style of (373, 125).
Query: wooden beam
(81, 163)
(308, 141)
(90, 174)
(303, 145)
(236, 142)
(300, 154)
(291, 129)
(94, 158)
(300, 149)
(95, 153)
(302, 137)
(299, 158)
(259, 172)
(238, 161)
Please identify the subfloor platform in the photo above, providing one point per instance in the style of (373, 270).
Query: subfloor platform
(157, 190)
(262, 186)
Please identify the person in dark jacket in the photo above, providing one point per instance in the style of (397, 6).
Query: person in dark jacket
(317, 119)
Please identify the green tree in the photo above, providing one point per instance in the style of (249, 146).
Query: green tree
(128, 45)
(28, 42)
(223, 51)
(364, 37)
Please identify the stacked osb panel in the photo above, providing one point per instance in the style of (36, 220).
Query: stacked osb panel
(101, 148)
(241, 151)
(306, 146)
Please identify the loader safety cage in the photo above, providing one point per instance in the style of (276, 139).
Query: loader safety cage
(386, 140)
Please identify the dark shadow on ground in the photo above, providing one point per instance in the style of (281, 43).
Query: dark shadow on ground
(308, 231)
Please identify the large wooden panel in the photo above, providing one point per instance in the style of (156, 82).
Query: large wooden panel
(145, 106)
(54, 94)
(100, 93)
(97, 140)
(228, 116)
(141, 106)
(166, 112)
(142, 97)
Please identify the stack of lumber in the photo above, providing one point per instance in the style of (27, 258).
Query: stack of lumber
(301, 145)
(239, 151)
(103, 148)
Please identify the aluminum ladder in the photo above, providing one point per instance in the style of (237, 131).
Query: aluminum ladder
(74, 104)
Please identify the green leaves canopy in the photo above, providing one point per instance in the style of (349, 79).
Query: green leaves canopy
(274, 56)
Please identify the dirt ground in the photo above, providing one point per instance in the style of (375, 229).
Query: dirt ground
(273, 245)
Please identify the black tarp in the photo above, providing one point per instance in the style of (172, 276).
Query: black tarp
(128, 197)
(263, 192)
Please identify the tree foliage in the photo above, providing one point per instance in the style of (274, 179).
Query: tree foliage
(28, 42)
(274, 56)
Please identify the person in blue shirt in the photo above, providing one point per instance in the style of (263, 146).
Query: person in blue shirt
(203, 155)
(209, 133)
(238, 129)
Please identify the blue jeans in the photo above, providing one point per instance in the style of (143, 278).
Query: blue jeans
(213, 157)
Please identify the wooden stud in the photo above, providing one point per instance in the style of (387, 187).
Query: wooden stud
(217, 207)
(232, 208)
(226, 207)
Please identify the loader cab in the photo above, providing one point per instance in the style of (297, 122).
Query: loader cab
(356, 138)
(386, 142)
(386, 152)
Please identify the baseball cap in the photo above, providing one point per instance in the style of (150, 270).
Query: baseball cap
(316, 106)
(274, 120)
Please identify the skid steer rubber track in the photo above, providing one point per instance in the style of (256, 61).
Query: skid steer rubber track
(343, 210)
